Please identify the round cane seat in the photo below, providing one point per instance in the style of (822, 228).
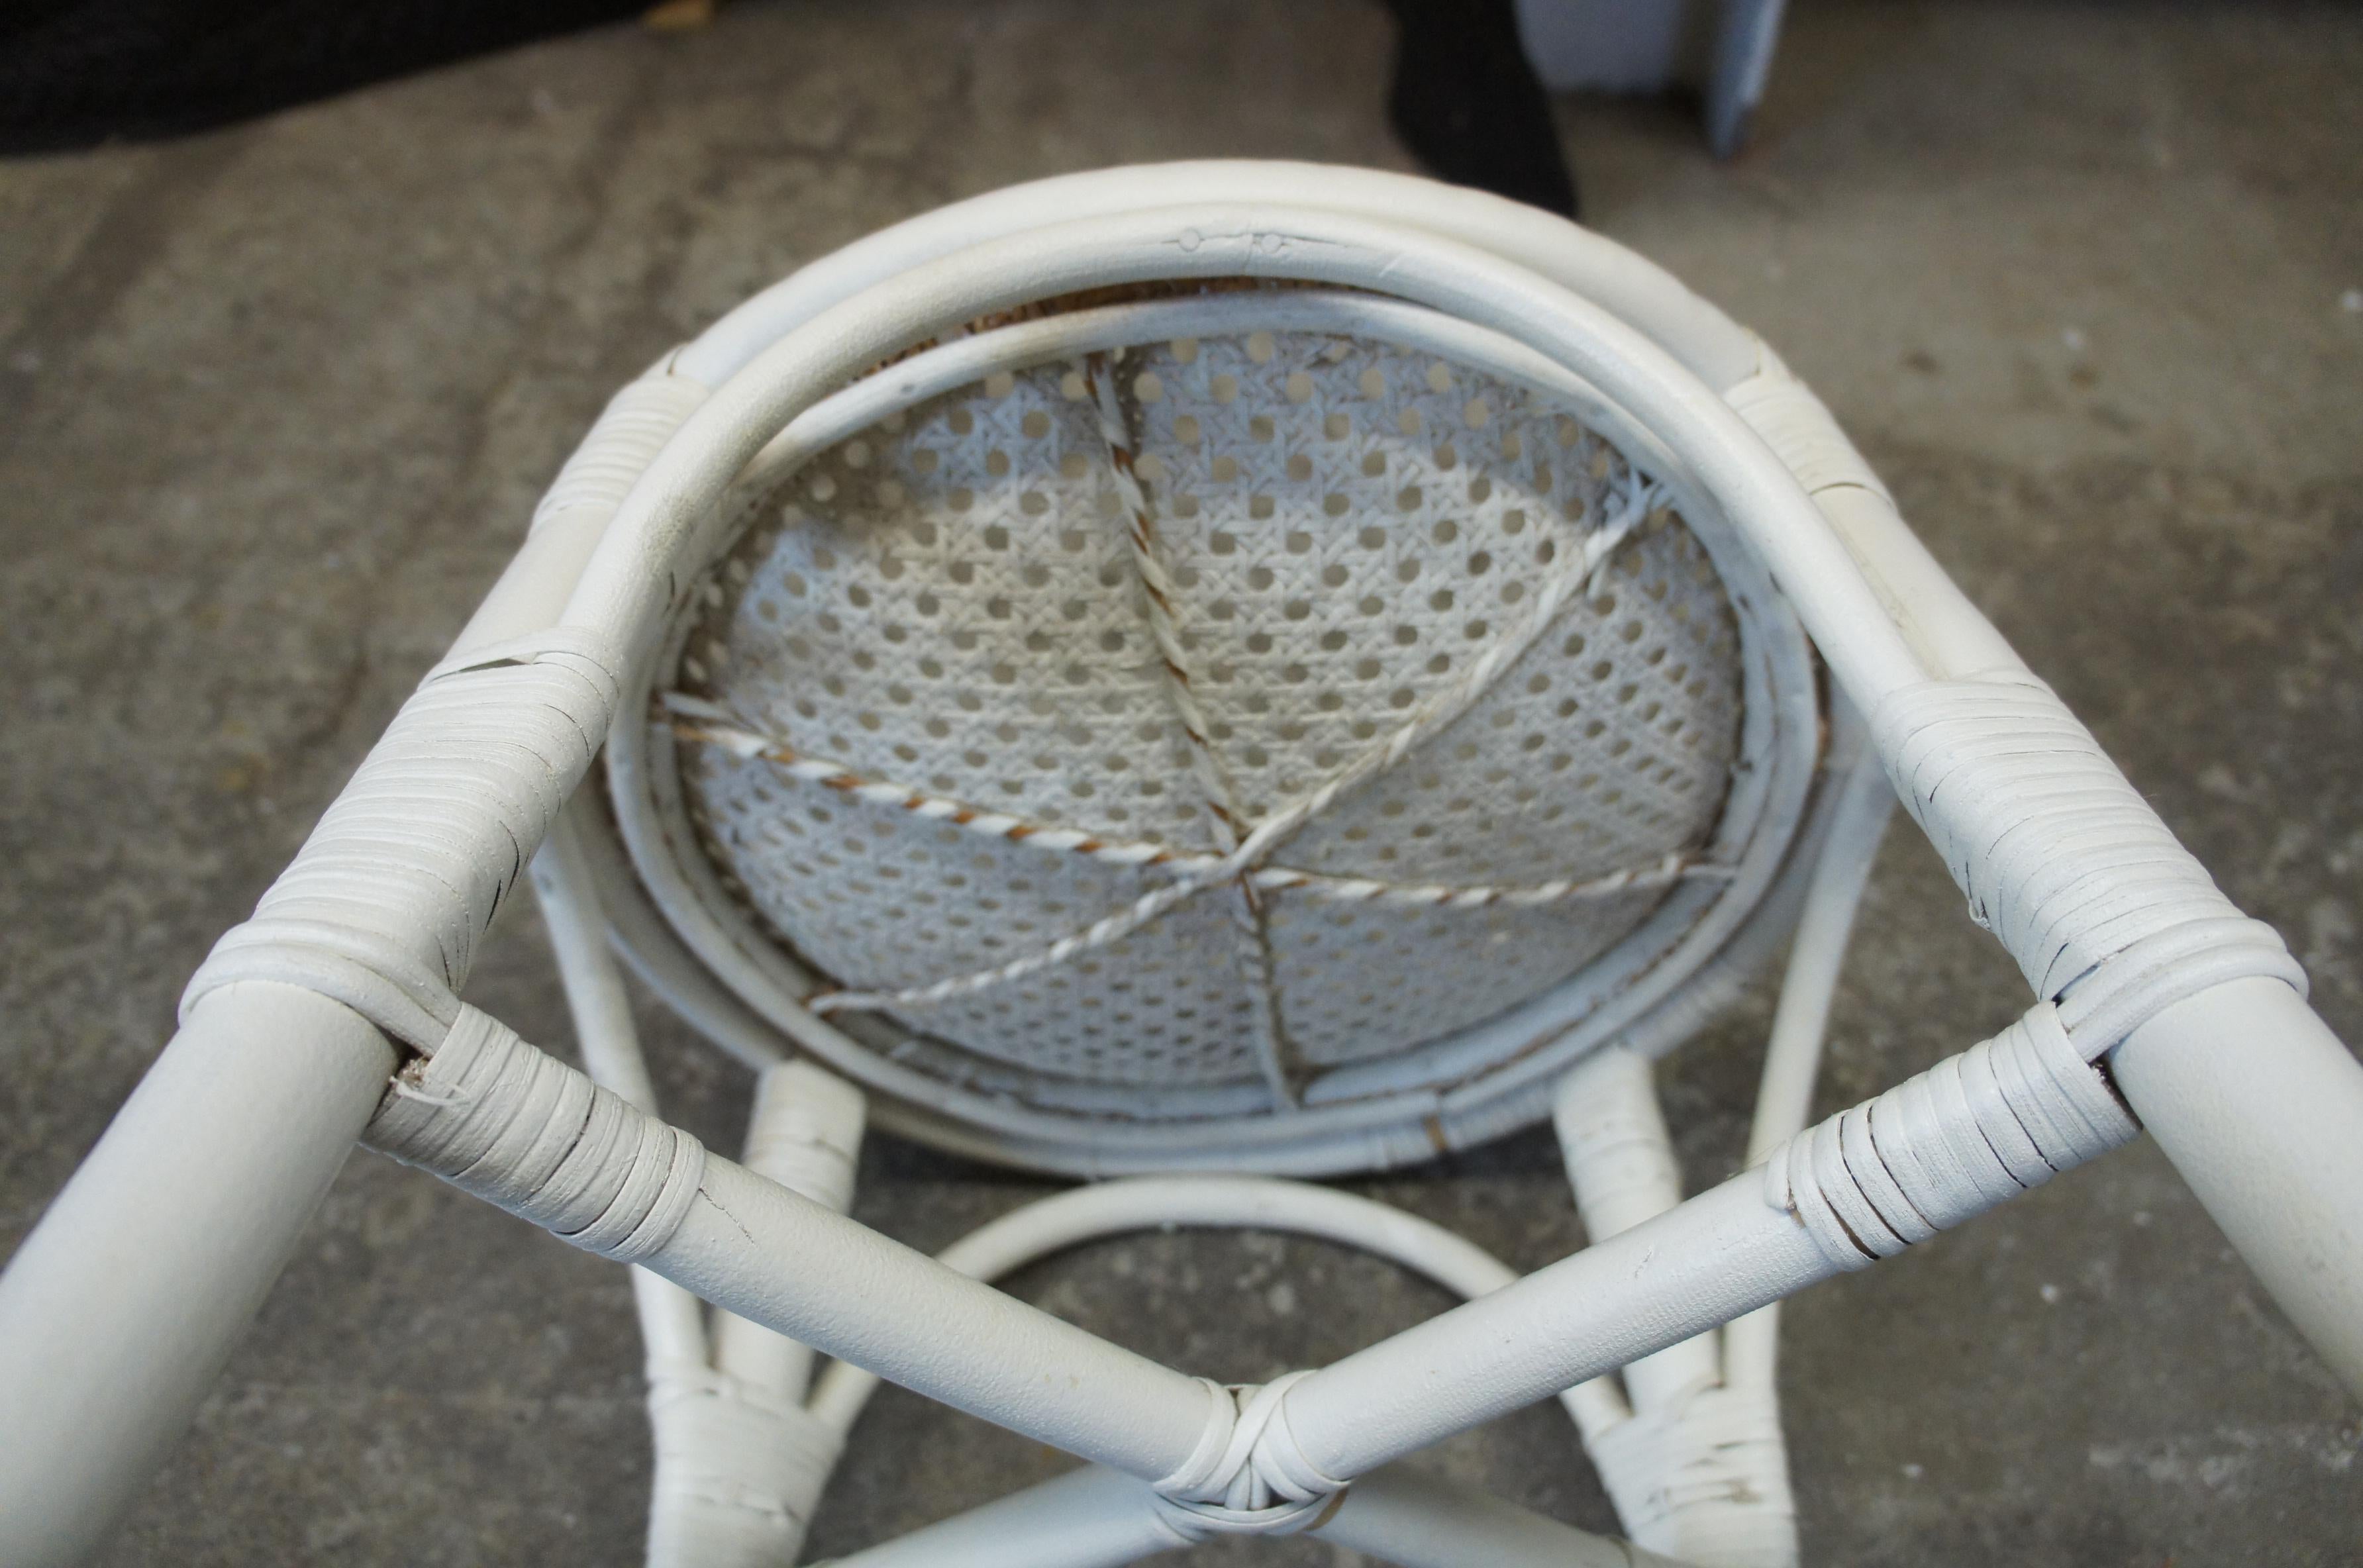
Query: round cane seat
(1183, 733)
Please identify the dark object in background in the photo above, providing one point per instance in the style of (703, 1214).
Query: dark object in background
(75, 73)
(1467, 103)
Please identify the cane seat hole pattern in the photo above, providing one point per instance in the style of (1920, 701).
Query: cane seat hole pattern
(1026, 651)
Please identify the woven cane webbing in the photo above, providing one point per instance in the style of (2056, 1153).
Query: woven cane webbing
(993, 670)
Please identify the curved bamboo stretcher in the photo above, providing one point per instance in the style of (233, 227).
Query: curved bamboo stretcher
(334, 1015)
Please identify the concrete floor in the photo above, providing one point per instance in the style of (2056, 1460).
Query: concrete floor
(2082, 282)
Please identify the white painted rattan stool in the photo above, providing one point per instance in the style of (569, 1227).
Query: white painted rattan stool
(1197, 675)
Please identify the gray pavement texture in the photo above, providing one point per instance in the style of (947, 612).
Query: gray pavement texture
(2081, 280)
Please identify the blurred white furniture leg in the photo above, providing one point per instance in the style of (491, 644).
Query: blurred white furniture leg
(1723, 47)
(1737, 70)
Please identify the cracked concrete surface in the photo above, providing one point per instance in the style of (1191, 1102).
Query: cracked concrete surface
(278, 401)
